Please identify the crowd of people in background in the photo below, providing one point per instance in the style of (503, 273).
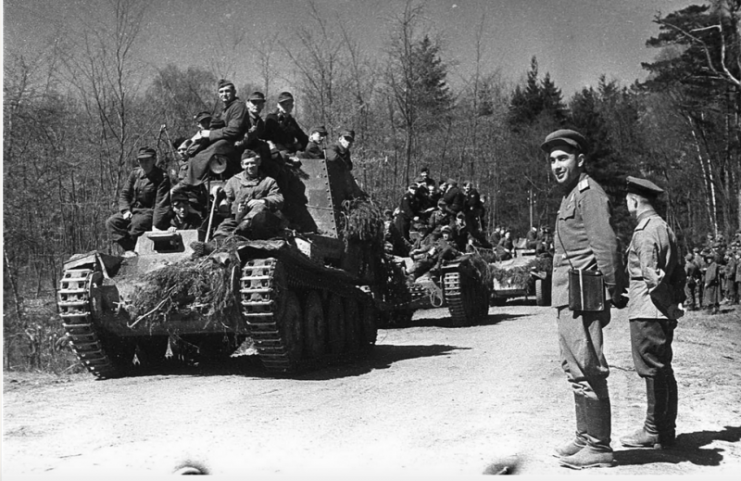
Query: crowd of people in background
(714, 274)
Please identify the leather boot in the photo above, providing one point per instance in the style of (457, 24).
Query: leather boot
(667, 434)
(656, 404)
(580, 440)
(597, 453)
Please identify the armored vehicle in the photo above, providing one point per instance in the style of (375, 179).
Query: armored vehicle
(526, 274)
(461, 284)
(298, 301)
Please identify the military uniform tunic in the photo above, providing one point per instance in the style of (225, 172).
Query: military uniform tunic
(584, 240)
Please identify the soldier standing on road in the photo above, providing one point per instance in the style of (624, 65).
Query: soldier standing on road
(692, 272)
(584, 241)
(657, 281)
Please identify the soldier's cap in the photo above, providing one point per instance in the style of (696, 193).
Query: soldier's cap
(446, 228)
(201, 116)
(320, 129)
(689, 256)
(348, 134)
(424, 169)
(284, 97)
(256, 97)
(146, 153)
(442, 202)
(568, 137)
(248, 154)
(224, 82)
(643, 187)
(179, 196)
(412, 186)
(452, 182)
(696, 249)
(387, 212)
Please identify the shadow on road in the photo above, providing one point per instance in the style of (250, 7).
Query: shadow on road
(447, 322)
(689, 447)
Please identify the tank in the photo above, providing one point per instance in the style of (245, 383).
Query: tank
(524, 275)
(298, 301)
(461, 284)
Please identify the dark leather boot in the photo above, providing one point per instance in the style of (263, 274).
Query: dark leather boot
(667, 432)
(580, 440)
(597, 453)
(656, 403)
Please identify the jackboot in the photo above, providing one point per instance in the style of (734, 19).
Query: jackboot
(667, 433)
(580, 440)
(597, 453)
(648, 435)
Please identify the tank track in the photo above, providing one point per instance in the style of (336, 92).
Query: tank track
(465, 307)
(262, 284)
(454, 297)
(74, 301)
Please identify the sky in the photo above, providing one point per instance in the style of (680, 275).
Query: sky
(575, 41)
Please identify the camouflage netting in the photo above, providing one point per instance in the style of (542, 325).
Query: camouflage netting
(200, 285)
(519, 276)
(362, 221)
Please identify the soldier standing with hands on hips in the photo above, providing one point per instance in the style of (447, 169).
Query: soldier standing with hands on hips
(657, 279)
(584, 241)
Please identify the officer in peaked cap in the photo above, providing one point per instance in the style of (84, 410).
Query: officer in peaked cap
(643, 187)
(584, 241)
(657, 277)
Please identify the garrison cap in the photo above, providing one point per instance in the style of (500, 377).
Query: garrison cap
(452, 182)
(320, 129)
(446, 228)
(146, 153)
(248, 154)
(568, 137)
(224, 82)
(179, 196)
(284, 96)
(201, 116)
(643, 187)
(256, 97)
(350, 134)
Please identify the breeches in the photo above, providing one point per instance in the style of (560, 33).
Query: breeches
(651, 343)
(122, 229)
(581, 346)
(258, 223)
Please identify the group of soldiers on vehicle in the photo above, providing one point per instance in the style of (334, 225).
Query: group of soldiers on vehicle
(714, 274)
(260, 158)
(435, 223)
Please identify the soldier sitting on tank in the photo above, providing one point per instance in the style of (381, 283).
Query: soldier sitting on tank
(395, 244)
(254, 200)
(339, 163)
(314, 149)
(229, 128)
(144, 202)
(432, 255)
(254, 137)
(183, 215)
(282, 130)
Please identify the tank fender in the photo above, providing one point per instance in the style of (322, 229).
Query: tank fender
(108, 264)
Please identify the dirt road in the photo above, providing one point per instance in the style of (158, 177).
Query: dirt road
(432, 400)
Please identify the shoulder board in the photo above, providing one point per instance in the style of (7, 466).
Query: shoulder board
(583, 185)
(642, 224)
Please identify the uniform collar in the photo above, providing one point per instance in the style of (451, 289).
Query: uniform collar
(153, 174)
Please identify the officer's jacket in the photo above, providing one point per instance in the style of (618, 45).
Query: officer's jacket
(255, 126)
(313, 151)
(454, 199)
(236, 122)
(240, 189)
(409, 205)
(144, 193)
(283, 131)
(584, 239)
(653, 256)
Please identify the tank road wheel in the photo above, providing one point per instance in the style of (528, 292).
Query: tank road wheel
(336, 324)
(315, 325)
(353, 325)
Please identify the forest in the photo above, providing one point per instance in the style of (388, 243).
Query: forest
(76, 113)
